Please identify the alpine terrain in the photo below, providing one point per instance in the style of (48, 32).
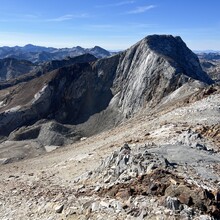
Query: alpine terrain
(131, 135)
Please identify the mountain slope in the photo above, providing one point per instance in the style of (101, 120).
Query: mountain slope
(114, 88)
(152, 68)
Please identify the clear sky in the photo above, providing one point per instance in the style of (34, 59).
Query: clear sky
(111, 24)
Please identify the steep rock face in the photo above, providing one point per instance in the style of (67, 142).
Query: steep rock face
(24, 103)
(179, 56)
(152, 68)
(100, 93)
(81, 92)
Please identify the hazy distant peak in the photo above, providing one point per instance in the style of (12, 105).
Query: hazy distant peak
(38, 54)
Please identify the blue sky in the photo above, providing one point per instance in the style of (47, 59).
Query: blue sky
(111, 24)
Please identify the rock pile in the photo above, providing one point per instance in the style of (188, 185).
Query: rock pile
(128, 163)
(145, 184)
(192, 139)
(130, 183)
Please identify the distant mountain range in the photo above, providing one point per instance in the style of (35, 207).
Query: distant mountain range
(206, 51)
(209, 56)
(37, 54)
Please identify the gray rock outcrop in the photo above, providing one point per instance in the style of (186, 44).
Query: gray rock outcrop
(153, 68)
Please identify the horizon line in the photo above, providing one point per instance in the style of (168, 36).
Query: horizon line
(111, 50)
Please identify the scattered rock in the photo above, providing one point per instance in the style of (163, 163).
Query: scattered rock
(126, 164)
(172, 203)
(187, 212)
(151, 167)
(136, 181)
(97, 188)
(104, 204)
(59, 208)
(5, 160)
(192, 139)
(95, 206)
(50, 148)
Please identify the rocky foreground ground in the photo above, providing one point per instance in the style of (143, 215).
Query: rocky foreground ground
(161, 164)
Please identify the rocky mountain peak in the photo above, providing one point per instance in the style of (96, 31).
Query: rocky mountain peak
(176, 52)
(153, 68)
(99, 52)
(111, 88)
(98, 48)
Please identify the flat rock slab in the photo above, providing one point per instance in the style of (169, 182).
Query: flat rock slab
(199, 159)
(181, 154)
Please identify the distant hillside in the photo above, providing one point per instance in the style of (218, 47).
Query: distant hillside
(209, 55)
(13, 71)
(210, 63)
(11, 68)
